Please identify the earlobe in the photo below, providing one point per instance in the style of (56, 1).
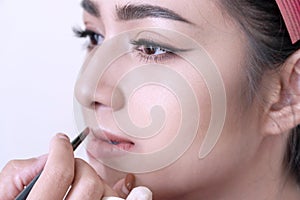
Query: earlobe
(284, 113)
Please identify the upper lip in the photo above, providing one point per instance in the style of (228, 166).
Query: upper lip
(108, 136)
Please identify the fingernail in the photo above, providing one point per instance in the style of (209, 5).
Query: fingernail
(63, 136)
(128, 184)
(129, 181)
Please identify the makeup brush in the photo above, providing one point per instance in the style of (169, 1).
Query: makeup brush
(75, 143)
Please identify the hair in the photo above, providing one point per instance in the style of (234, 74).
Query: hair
(269, 46)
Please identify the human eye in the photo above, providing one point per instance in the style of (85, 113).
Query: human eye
(94, 39)
(150, 51)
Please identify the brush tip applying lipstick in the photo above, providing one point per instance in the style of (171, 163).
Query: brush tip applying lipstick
(77, 141)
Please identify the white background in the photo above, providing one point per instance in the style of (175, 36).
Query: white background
(39, 62)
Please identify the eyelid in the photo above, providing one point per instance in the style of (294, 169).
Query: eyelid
(145, 42)
(165, 38)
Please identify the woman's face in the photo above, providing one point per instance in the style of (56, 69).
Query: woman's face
(206, 25)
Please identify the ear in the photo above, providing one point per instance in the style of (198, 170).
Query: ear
(283, 112)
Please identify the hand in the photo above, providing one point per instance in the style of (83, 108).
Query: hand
(61, 170)
(18, 173)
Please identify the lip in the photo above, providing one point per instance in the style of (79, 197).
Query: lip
(102, 144)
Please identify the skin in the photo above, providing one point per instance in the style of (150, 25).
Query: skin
(246, 163)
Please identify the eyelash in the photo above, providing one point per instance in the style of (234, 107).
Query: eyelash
(145, 50)
(149, 51)
(95, 39)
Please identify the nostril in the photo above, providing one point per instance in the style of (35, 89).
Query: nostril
(96, 105)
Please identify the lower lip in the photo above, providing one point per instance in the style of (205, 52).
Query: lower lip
(98, 148)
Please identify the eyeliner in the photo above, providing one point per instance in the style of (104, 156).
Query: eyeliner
(75, 143)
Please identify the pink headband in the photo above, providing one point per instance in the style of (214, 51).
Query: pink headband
(290, 10)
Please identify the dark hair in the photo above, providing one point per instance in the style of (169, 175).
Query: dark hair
(269, 46)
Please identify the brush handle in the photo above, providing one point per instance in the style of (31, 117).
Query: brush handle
(23, 195)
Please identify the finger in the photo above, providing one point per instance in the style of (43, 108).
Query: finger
(86, 184)
(124, 186)
(58, 173)
(17, 174)
(108, 191)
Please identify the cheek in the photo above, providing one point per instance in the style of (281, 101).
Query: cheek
(140, 105)
(147, 97)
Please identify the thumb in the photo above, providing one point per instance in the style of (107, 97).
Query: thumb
(17, 174)
(125, 185)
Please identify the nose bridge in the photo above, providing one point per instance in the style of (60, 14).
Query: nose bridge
(96, 83)
(85, 89)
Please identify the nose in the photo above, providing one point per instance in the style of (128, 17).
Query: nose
(95, 87)
(103, 95)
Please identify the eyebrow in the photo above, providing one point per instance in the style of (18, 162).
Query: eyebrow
(90, 7)
(133, 12)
